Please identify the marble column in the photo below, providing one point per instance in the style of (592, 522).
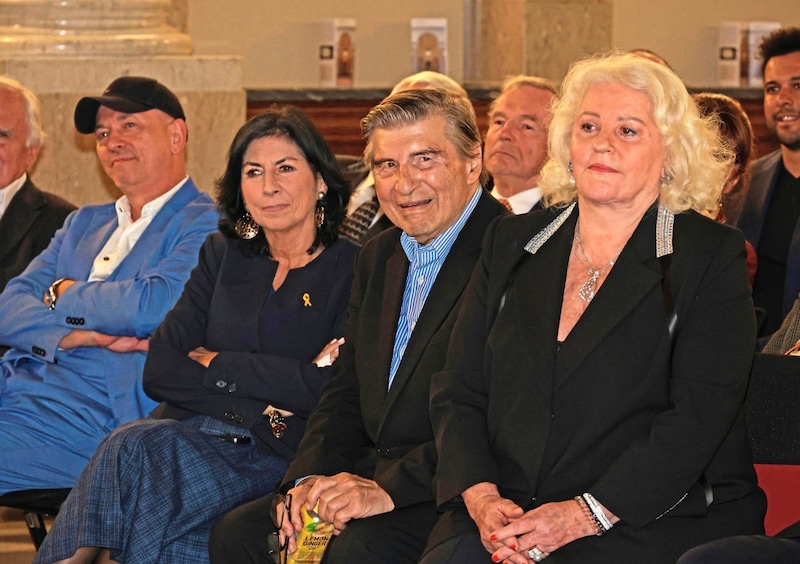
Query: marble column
(66, 49)
(536, 37)
(89, 27)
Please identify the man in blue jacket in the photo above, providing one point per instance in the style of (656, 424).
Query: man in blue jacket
(79, 318)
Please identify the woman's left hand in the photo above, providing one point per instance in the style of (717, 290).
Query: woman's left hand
(202, 355)
(547, 528)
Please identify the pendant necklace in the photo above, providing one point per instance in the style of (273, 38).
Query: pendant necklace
(587, 290)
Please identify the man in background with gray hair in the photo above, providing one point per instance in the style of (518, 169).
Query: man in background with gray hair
(28, 216)
(516, 142)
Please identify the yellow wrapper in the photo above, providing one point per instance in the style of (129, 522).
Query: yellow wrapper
(312, 540)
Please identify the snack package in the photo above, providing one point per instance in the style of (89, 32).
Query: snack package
(312, 540)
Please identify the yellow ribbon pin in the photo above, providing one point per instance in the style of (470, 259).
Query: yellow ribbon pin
(306, 300)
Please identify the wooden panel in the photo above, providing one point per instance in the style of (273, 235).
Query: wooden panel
(339, 121)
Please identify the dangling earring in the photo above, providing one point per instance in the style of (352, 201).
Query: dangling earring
(569, 170)
(246, 227)
(319, 213)
(664, 179)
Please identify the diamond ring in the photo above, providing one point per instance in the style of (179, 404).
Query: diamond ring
(535, 554)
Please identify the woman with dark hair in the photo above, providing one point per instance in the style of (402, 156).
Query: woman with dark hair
(238, 364)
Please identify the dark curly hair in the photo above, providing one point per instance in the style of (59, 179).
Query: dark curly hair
(289, 122)
(780, 42)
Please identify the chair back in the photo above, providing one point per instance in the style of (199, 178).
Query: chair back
(772, 412)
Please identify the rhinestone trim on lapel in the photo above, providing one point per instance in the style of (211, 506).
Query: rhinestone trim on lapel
(542, 236)
(664, 225)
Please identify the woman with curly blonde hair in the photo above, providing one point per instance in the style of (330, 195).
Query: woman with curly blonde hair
(597, 371)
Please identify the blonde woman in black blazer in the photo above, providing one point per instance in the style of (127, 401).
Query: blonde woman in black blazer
(591, 406)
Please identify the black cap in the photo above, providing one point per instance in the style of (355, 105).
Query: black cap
(131, 95)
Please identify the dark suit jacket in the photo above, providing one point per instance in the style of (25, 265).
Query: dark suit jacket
(611, 410)
(358, 426)
(26, 228)
(751, 220)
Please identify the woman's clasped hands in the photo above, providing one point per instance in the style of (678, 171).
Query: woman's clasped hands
(513, 535)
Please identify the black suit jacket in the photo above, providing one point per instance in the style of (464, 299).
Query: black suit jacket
(27, 226)
(361, 427)
(616, 410)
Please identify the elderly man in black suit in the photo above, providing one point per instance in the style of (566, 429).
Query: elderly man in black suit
(28, 216)
(368, 457)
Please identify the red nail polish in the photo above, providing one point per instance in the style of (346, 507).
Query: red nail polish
(493, 538)
(514, 547)
(495, 558)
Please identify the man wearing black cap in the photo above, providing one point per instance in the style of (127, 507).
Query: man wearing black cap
(79, 318)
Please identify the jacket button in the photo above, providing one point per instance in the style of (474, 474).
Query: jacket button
(232, 388)
(383, 451)
(221, 383)
(239, 419)
(229, 416)
(38, 350)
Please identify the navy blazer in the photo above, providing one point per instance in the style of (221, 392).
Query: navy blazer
(362, 427)
(261, 361)
(617, 409)
(27, 226)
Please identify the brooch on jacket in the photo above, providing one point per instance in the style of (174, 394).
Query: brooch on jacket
(277, 422)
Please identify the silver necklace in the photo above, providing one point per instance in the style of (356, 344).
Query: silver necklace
(588, 289)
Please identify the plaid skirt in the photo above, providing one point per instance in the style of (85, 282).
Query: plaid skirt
(154, 488)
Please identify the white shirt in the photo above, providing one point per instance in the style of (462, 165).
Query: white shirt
(127, 233)
(8, 193)
(521, 202)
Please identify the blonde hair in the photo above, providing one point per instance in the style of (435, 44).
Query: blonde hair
(695, 167)
(430, 79)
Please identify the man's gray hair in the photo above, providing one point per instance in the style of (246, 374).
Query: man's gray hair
(33, 110)
(520, 80)
(411, 106)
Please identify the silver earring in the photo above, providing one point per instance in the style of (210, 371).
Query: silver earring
(246, 227)
(571, 178)
(665, 178)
